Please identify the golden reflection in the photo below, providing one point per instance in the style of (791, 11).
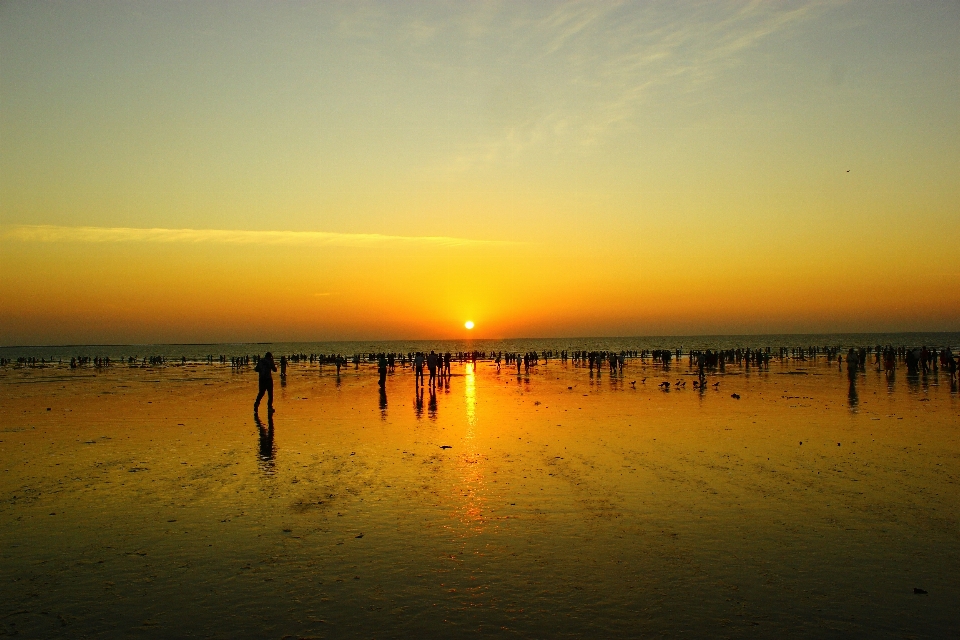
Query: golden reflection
(470, 398)
(470, 500)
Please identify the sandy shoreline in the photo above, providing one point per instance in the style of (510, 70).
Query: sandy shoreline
(566, 505)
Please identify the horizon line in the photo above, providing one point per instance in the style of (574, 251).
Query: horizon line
(642, 337)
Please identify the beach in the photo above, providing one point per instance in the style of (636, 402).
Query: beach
(150, 501)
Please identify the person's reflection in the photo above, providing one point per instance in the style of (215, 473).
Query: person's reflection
(432, 404)
(913, 381)
(383, 403)
(268, 448)
(852, 398)
(418, 403)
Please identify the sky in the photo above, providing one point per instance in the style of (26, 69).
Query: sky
(238, 171)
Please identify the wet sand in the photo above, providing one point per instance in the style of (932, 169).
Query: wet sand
(147, 502)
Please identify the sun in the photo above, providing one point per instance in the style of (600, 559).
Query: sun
(468, 324)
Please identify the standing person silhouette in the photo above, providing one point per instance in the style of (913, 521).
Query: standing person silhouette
(418, 368)
(264, 368)
(432, 366)
(382, 369)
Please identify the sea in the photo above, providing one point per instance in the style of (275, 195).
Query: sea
(201, 352)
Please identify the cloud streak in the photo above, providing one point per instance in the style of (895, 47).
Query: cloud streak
(596, 65)
(52, 233)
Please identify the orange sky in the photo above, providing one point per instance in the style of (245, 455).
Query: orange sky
(180, 173)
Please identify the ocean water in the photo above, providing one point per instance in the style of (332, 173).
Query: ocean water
(199, 352)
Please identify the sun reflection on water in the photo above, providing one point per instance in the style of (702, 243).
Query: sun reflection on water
(470, 399)
(472, 504)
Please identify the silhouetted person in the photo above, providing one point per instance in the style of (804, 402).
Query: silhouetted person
(913, 361)
(283, 366)
(265, 368)
(418, 368)
(432, 366)
(382, 370)
(853, 360)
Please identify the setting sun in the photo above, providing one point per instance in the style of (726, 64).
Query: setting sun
(468, 324)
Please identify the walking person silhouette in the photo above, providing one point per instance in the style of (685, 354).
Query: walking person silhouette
(264, 368)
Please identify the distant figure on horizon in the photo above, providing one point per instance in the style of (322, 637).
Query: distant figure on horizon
(264, 368)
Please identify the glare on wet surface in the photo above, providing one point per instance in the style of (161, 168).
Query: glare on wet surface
(140, 501)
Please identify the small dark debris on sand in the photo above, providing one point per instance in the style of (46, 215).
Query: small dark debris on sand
(445, 446)
(918, 591)
(735, 396)
(359, 536)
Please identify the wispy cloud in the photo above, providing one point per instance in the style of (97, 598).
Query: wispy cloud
(598, 64)
(51, 233)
